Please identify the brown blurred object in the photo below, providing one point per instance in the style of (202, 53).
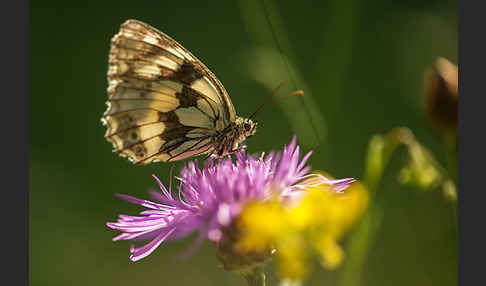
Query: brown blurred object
(441, 92)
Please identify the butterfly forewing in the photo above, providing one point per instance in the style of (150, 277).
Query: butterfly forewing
(164, 104)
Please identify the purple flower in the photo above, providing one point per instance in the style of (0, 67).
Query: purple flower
(208, 199)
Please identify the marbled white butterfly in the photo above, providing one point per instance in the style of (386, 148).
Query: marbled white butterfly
(163, 103)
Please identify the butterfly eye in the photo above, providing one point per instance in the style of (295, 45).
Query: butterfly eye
(247, 126)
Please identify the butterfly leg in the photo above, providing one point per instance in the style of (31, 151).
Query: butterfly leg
(237, 149)
(209, 155)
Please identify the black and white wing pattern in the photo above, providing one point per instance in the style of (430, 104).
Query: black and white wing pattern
(163, 103)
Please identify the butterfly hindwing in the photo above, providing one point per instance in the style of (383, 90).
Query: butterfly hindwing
(164, 104)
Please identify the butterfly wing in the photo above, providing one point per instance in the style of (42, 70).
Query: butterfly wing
(164, 104)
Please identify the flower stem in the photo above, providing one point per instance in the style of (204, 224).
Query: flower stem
(450, 142)
(273, 62)
(255, 276)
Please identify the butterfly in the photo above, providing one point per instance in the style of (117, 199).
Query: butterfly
(164, 104)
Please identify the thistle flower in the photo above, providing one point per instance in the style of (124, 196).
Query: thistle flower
(209, 199)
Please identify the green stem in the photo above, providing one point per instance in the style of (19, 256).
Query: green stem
(450, 142)
(255, 276)
(450, 192)
(340, 25)
(273, 62)
(454, 214)
(379, 152)
(358, 247)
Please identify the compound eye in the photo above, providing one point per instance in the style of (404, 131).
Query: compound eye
(247, 126)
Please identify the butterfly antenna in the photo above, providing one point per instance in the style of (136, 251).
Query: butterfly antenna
(272, 95)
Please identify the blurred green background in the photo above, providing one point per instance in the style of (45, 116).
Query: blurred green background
(360, 63)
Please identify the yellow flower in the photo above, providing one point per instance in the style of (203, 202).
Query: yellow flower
(331, 254)
(292, 258)
(260, 223)
(314, 224)
(330, 212)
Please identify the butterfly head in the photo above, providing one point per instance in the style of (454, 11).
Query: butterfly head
(246, 127)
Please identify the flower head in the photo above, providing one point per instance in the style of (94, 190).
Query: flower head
(208, 199)
(309, 228)
(441, 94)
